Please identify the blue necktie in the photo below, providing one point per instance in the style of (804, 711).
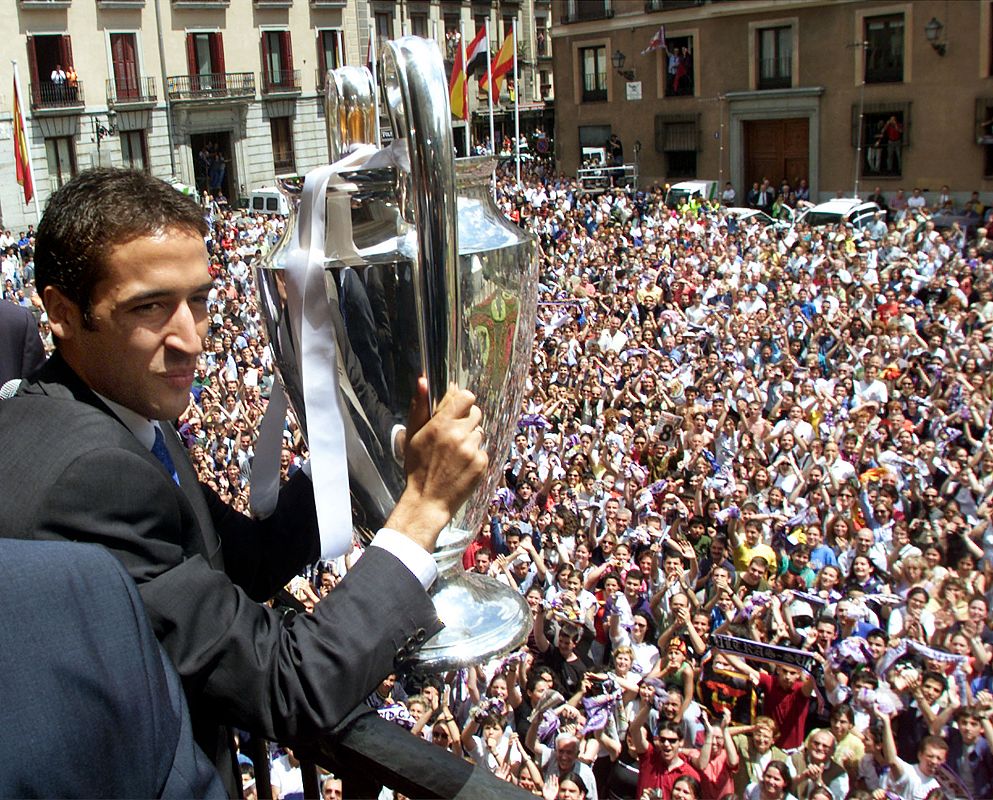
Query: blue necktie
(162, 454)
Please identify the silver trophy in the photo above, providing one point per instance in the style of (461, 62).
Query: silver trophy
(425, 277)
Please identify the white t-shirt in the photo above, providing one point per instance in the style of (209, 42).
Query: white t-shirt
(912, 784)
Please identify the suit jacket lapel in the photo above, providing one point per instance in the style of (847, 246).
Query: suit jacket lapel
(191, 488)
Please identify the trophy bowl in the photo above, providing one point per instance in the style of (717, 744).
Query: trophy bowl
(424, 276)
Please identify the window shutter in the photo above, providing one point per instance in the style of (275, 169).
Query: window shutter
(287, 53)
(191, 55)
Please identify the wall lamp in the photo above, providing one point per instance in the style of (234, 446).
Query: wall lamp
(932, 32)
(618, 59)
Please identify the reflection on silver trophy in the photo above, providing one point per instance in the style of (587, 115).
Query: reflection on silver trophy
(424, 276)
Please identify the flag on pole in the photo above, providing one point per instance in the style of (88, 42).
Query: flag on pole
(657, 43)
(458, 85)
(22, 159)
(504, 63)
(475, 52)
(457, 94)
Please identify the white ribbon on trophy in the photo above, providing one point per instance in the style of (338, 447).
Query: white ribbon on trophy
(310, 313)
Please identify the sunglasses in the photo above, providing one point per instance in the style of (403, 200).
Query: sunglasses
(666, 741)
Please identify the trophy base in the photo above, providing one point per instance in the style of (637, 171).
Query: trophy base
(483, 619)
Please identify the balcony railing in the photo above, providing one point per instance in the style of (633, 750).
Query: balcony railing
(671, 5)
(211, 86)
(285, 81)
(130, 91)
(49, 95)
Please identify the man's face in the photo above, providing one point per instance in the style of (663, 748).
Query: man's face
(148, 317)
(482, 563)
(566, 754)
(931, 758)
(787, 676)
(755, 573)
(332, 789)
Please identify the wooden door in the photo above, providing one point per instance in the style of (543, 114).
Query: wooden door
(777, 149)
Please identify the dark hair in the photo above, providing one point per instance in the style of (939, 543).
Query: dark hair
(573, 777)
(932, 741)
(690, 781)
(784, 771)
(97, 211)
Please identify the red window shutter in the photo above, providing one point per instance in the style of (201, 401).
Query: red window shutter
(322, 62)
(287, 53)
(216, 53)
(65, 49)
(35, 90)
(191, 55)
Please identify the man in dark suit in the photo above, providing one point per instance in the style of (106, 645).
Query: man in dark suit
(80, 666)
(122, 268)
(21, 350)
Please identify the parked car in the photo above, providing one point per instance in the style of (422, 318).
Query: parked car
(840, 210)
(751, 216)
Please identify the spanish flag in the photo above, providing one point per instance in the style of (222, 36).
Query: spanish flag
(457, 87)
(503, 64)
(22, 160)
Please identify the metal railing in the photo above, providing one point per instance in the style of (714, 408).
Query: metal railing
(130, 90)
(281, 82)
(211, 86)
(47, 95)
(600, 179)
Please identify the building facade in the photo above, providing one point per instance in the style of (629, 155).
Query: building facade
(213, 93)
(847, 94)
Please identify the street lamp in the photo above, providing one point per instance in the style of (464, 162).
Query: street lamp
(101, 132)
(618, 59)
(932, 32)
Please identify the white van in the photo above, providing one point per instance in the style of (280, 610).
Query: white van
(267, 200)
(684, 190)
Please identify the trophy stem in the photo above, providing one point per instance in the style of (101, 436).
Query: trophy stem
(483, 618)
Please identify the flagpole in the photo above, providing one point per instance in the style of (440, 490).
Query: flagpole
(373, 57)
(465, 90)
(27, 145)
(517, 109)
(489, 87)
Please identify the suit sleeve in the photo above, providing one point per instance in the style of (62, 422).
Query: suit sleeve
(284, 679)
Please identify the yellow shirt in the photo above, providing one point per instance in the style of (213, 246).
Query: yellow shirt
(743, 554)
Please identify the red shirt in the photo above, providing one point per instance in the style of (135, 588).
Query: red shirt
(788, 707)
(653, 775)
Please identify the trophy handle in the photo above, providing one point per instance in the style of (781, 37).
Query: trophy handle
(349, 109)
(417, 99)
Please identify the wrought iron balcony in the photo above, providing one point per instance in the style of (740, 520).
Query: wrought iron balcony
(285, 81)
(48, 96)
(130, 91)
(211, 86)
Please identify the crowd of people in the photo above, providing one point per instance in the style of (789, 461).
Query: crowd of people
(747, 502)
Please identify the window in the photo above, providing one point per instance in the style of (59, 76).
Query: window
(576, 10)
(677, 137)
(419, 25)
(53, 79)
(277, 62)
(61, 154)
(541, 37)
(884, 49)
(885, 135)
(592, 144)
(384, 26)
(508, 26)
(282, 145)
(594, 66)
(545, 84)
(330, 51)
(678, 53)
(775, 58)
(133, 152)
(205, 60)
